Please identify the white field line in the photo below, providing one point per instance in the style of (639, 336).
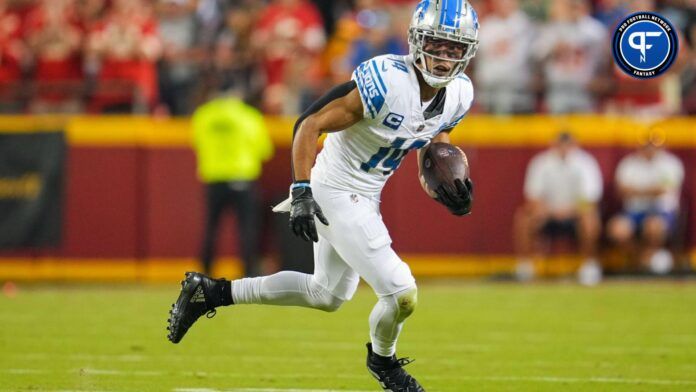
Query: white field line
(31, 356)
(82, 357)
(25, 371)
(113, 372)
(56, 390)
(107, 357)
(618, 350)
(68, 390)
(538, 379)
(265, 390)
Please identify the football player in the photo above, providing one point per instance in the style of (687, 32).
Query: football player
(391, 105)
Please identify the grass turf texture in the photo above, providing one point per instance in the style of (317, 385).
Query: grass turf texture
(629, 336)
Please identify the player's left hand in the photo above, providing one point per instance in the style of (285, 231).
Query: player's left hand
(459, 200)
(302, 211)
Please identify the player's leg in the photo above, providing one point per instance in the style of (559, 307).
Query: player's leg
(332, 284)
(397, 294)
(216, 194)
(362, 240)
(360, 237)
(387, 319)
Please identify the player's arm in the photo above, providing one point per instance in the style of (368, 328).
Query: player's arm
(336, 115)
(336, 111)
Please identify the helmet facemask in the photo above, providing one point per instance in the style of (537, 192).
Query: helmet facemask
(434, 52)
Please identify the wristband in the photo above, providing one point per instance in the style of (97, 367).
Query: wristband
(299, 184)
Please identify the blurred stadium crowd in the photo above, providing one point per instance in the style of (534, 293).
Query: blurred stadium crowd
(168, 56)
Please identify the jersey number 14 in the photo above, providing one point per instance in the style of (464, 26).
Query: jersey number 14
(388, 159)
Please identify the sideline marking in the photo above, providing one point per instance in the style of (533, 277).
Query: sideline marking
(265, 390)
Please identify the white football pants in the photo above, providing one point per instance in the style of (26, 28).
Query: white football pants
(355, 244)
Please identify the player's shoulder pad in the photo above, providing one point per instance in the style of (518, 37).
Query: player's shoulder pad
(377, 79)
(463, 89)
(466, 91)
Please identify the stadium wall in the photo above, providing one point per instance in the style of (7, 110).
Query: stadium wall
(134, 208)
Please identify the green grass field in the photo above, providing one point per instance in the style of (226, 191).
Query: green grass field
(621, 336)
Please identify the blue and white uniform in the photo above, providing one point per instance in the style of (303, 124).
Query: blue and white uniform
(361, 158)
(355, 164)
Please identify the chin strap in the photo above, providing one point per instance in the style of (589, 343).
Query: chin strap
(433, 81)
(436, 82)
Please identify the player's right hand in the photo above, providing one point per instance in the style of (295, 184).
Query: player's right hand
(302, 211)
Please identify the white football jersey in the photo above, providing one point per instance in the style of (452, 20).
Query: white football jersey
(362, 157)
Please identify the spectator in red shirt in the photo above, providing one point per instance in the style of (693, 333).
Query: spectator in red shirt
(12, 52)
(125, 46)
(55, 39)
(289, 37)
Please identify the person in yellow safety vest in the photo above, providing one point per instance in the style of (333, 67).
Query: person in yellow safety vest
(231, 143)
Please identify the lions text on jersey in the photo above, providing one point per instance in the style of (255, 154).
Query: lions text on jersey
(362, 157)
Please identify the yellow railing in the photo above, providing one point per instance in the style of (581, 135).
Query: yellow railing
(475, 130)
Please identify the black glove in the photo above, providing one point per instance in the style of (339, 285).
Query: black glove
(458, 200)
(302, 213)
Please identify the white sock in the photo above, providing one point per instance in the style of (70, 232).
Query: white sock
(387, 319)
(285, 288)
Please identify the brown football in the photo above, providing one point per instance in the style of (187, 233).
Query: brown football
(442, 163)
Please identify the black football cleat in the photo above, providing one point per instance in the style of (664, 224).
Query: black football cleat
(199, 295)
(390, 373)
